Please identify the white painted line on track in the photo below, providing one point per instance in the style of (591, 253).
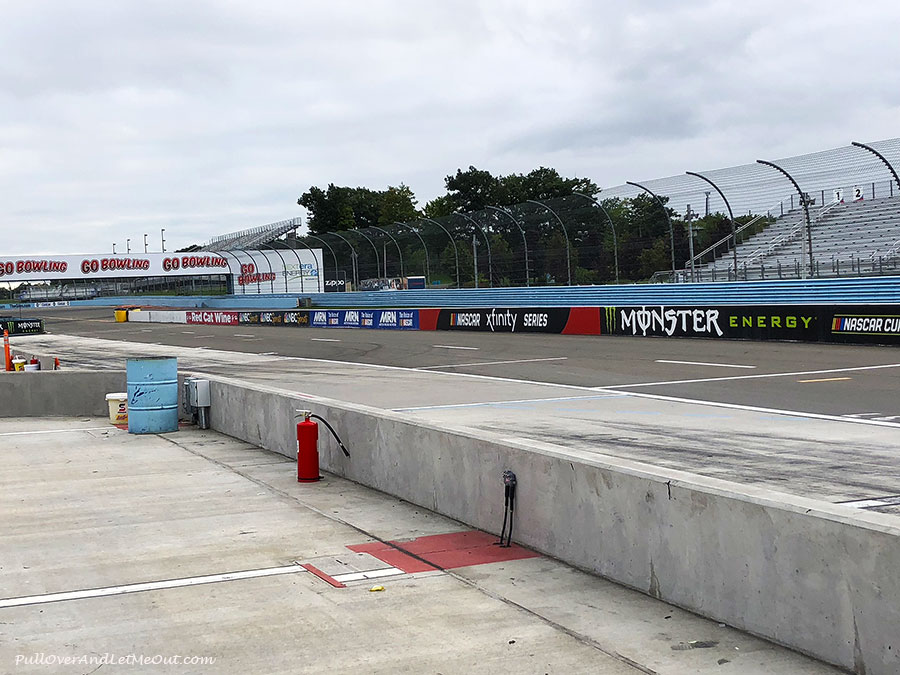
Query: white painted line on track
(147, 586)
(325, 339)
(512, 402)
(268, 353)
(244, 335)
(56, 431)
(188, 332)
(747, 377)
(701, 363)
(493, 363)
(826, 379)
(455, 347)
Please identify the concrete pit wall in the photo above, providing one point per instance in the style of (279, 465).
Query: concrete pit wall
(819, 578)
(60, 393)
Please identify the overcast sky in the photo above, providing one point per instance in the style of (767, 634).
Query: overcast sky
(121, 118)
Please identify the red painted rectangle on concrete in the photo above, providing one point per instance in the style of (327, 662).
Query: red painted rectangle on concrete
(583, 321)
(444, 551)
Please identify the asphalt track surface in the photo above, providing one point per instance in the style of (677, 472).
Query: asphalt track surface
(860, 381)
(819, 421)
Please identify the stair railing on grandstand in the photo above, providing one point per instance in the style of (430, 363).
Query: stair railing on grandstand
(789, 236)
(697, 259)
(892, 251)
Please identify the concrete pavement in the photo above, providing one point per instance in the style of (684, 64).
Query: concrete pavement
(92, 507)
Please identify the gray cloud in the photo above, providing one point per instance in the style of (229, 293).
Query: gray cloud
(203, 117)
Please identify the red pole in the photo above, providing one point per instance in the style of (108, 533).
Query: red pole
(6, 350)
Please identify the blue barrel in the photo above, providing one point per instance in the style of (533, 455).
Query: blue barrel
(152, 395)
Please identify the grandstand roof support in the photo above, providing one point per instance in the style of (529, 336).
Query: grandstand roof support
(730, 217)
(881, 157)
(452, 241)
(805, 202)
(399, 251)
(611, 225)
(487, 242)
(666, 212)
(524, 240)
(374, 248)
(424, 248)
(568, 245)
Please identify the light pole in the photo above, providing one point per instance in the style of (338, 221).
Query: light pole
(162, 236)
(730, 215)
(128, 246)
(145, 243)
(475, 257)
(114, 248)
(804, 200)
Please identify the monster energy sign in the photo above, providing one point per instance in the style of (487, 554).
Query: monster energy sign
(21, 326)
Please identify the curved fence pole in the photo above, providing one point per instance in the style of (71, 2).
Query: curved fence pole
(487, 241)
(424, 248)
(396, 243)
(805, 202)
(881, 157)
(320, 277)
(452, 241)
(524, 240)
(568, 245)
(612, 227)
(355, 261)
(284, 269)
(730, 217)
(666, 213)
(374, 249)
(231, 253)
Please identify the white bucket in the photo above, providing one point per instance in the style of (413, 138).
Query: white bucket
(32, 367)
(118, 408)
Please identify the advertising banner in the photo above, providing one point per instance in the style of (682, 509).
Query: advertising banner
(21, 326)
(389, 319)
(877, 324)
(213, 318)
(59, 267)
(505, 320)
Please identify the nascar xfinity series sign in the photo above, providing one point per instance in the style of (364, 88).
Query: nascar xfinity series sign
(506, 320)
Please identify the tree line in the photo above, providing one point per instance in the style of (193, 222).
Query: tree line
(492, 219)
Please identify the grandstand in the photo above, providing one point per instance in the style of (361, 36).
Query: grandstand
(861, 237)
(251, 238)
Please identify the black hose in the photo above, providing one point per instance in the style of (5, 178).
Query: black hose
(333, 432)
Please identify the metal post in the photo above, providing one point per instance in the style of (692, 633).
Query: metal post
(568, 246)
(399, 251)
(475, 257)
(730, 216)
(145, 243)
(666, 212)
(374, 248)
(804, 201)
(162, 236)
(128, 246)
(424, 248)
(487, 242)
(524, 240)
(455, 251)
(611, 225)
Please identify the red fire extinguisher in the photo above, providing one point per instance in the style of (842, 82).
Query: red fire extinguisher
(307, 446)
